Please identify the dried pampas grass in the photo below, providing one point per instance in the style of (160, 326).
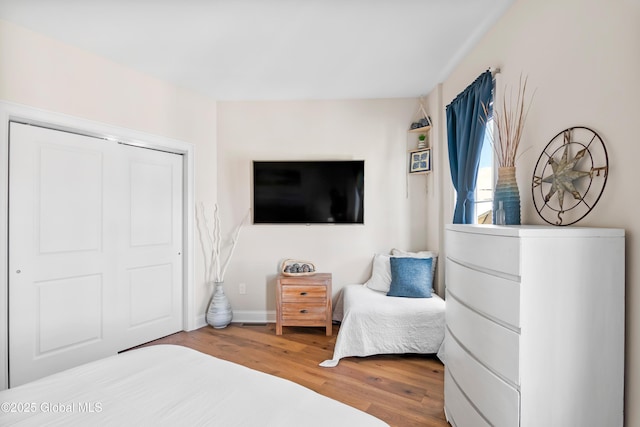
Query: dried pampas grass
(509, 119)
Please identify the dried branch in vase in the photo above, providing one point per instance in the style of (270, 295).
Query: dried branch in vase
(211, 243)
(509, 119)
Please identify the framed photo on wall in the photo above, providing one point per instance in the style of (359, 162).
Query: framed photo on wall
(420, 160)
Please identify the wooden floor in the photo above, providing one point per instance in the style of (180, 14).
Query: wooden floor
(403, 390)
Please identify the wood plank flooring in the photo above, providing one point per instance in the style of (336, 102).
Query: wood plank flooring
(402, 390)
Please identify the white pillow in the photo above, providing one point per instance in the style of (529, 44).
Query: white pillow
(406, 254)
(380, 279)
(422, 254)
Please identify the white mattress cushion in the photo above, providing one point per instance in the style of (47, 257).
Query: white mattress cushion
(374, 323)
(174, 386)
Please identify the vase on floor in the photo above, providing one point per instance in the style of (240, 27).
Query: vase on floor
(219, 314)
(507, 194)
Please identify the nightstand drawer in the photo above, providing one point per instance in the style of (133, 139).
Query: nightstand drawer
(302, 293)
(305, 312)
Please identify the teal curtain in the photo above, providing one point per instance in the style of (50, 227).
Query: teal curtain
(465, 133)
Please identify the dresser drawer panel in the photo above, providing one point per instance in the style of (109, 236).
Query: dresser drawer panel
(459, 411)
(498, 401)
(299, 293)
(495, 346)
(495, 296)
(498, 253)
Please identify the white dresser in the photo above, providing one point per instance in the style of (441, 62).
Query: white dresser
(535, 326)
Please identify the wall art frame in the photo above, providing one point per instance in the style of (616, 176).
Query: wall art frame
(420, 161)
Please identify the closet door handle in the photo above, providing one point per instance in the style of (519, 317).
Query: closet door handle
(303, 311)
(303, 293)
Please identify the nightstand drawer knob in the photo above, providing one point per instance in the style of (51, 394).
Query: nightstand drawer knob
(303, 311)
(303, 293)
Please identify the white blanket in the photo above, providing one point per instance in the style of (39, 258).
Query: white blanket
(374, 323)
(172, 386)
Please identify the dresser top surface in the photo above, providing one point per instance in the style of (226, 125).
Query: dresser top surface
(535, 230)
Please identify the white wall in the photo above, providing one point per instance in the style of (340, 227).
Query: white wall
(372, 130)
(40, 72)
(583, 58)
(43, 73)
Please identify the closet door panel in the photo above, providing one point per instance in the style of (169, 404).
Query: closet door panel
(151, 265)
(61, 256)
(150, 294)
(69, 191)
(151, 199)
(58, 329)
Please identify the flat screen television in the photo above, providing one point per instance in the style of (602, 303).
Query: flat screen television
(308, 192)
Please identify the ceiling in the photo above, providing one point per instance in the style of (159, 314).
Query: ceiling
(272, 49)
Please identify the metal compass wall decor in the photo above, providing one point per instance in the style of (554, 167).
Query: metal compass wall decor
(570, 176)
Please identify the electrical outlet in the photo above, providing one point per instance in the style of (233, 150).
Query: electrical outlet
(242, 288)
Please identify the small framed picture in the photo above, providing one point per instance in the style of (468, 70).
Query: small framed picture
(420, 160)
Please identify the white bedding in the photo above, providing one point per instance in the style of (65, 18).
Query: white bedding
(374, 323)
(172, 386)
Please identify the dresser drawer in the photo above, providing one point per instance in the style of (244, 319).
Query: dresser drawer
(302, 293)
(497, 253)
(498, 401)
(492, 344)
(459, 411)
(492, 295)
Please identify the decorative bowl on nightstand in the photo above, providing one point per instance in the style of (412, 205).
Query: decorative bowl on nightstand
(296, 268)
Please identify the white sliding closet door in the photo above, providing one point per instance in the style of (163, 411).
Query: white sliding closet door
(62, 256)
(150, 245)
(92, 268)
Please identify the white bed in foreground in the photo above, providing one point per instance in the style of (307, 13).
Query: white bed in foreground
(172, 385)
(374, 323)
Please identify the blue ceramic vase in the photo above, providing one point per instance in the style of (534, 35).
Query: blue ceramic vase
(506, 191)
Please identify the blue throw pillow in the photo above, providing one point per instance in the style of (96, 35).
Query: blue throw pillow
(410, 277)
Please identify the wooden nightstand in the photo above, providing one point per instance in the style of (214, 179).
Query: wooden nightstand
(303, 301)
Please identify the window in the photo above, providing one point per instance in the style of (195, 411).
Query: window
(484, 182)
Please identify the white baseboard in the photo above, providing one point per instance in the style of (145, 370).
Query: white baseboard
(243, 316)
(254, 316)
(201, 321)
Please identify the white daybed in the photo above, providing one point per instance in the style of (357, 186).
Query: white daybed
(172, 385)
(374, 323)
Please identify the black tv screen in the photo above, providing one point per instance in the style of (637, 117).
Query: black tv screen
(308, 192)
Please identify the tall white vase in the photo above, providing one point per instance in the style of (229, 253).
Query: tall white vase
(219, 314)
